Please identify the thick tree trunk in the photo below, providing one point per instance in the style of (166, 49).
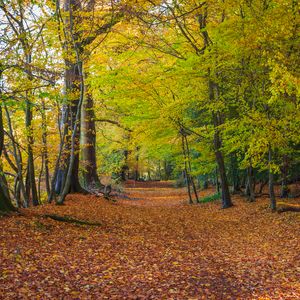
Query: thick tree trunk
(226, 199)
(71, 179)
(5, 203)
(73, 74)
(68, 170)
(88, 144)
(60, 164)
(72, 80)
(75, 15)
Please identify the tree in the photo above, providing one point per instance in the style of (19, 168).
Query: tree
(5, 202)
(77, 18)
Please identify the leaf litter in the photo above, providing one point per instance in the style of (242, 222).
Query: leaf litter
(158, 247)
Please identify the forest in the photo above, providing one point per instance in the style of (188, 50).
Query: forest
(149, 149)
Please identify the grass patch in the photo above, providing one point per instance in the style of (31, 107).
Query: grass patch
(211, 198)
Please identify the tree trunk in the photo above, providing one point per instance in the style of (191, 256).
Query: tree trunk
(18, 159)
(217, 183)
(136, 167)
(88, 144)
(124, 168)
(235, 180)
(226, 199)
(72, 77)
(5, 203)
(250, 185)
(271, 181)
(217, 121)
(74, 96)
(59, 170)
(45, 149)
(186, 171)
(73, 88)
(284, 180)
(31, 186)
(71, 182)
(190, 169)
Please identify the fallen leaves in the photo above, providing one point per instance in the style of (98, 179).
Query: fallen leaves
(150, 249)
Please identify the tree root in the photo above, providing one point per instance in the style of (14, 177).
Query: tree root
(4, 213)
(68, 219)
(284, 207)
(104, 191)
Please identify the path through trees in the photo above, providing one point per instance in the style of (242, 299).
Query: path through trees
(151, 245)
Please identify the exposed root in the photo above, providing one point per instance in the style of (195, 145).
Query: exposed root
(68, 219)
(283, 207)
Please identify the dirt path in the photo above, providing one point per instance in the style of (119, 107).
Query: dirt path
(154, 246)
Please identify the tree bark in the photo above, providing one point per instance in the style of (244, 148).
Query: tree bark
(226, 198)
(88, 142)
(186, 171)
(31, 186)
(45, 149)
(250, 185)
(136, 167)
(72, 82)
(74, 93)
(284, 180)
(71, 178)
(190, 169)
(18, 160)
(5, 203)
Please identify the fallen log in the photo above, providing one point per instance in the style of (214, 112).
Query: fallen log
(68, 219)
(284, 207)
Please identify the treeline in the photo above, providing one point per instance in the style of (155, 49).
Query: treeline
(208, 88)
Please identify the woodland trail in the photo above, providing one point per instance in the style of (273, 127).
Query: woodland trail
(151, 245)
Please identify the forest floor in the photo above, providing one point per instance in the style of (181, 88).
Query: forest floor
(151, 245)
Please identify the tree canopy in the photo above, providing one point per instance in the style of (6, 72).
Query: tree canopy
(207, 91)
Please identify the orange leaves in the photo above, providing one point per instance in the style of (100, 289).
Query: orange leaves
(150, 246)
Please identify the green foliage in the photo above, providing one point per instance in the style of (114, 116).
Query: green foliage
(210, 198)
(151, 84)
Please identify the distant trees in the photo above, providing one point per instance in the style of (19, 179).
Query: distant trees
(223, 70)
